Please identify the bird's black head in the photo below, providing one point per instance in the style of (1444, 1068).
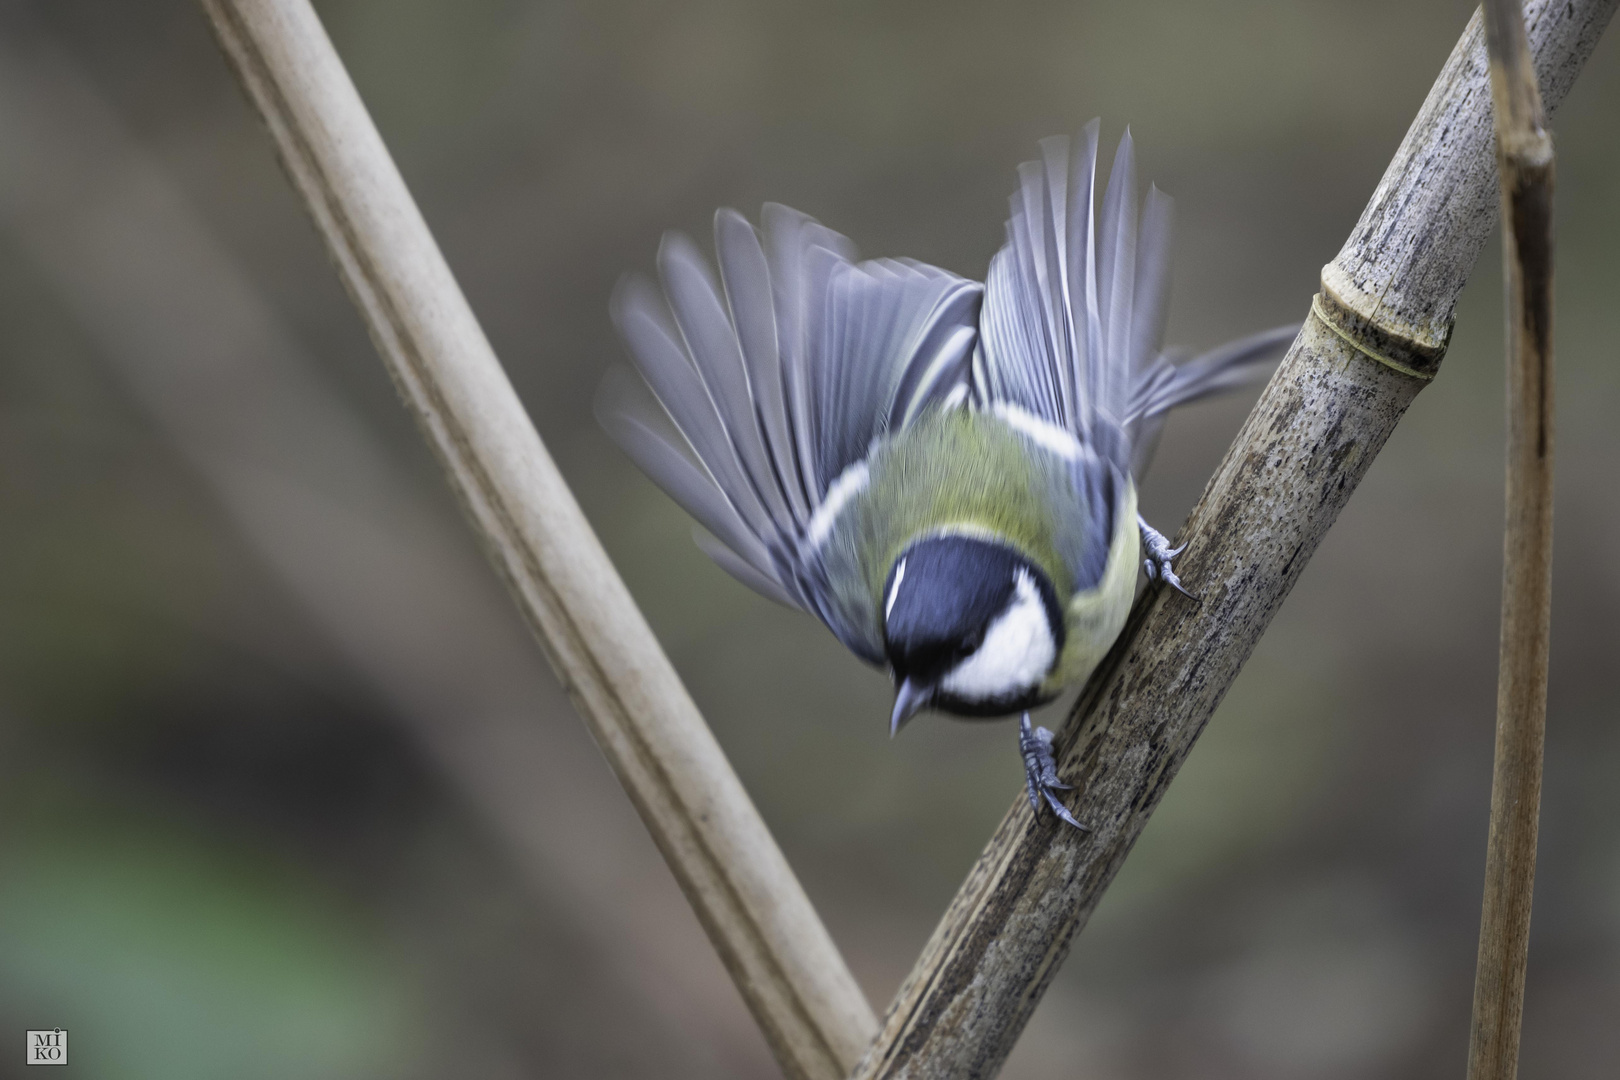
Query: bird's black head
(970, 626)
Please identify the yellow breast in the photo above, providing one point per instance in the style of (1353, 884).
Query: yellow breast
(1095, 617)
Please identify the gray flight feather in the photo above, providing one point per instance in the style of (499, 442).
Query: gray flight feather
(1073, 325)
(1058, 335)
(1074, 305)
(640, 426)
(771, 381)
(743, 570)
(1168, 385)
(1165, 385)
(878, 313)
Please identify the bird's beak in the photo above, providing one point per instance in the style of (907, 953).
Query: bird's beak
(909, 700)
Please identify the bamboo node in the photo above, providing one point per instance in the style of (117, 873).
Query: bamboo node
(1376, 342)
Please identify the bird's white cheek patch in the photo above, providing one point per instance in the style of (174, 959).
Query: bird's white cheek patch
(1017, 652)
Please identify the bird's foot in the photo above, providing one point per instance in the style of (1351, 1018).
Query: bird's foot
(1040, 772)
(1159, 553)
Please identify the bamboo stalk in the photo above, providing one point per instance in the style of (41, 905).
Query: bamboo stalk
(1524, 155)
(1376, 332)
(754, 910)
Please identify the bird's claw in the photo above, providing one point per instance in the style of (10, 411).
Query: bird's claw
(1040, 772)
(1159, 553)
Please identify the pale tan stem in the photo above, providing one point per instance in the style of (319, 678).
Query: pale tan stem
(1525, 168)
(1378, 330)
(780, 956)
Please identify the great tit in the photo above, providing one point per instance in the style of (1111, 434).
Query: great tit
(943, 472)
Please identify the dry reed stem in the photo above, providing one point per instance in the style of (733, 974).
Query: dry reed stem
(754, 910)
(1525, 168)
(1377, 330)
(379, 572)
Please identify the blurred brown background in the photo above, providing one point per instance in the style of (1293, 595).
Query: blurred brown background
(287, 793)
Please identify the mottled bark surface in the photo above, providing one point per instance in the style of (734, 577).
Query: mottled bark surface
(1321, 421)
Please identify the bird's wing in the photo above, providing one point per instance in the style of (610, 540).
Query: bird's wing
(1074, 309)
(1073, 326)
(771, 384)
(1163, 385)
(1074, 305)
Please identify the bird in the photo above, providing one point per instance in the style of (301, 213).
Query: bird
(942, 471)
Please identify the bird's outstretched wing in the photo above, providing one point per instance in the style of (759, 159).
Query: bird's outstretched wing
(1068, 318)
(1071, 336)
(1163, 385)
(769, 386)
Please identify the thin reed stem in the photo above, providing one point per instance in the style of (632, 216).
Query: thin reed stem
(1524, 156)
(757, 915)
